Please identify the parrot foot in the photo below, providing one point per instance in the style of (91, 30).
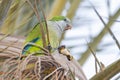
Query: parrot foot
(63, 50)
(49, 48)
(69, 57)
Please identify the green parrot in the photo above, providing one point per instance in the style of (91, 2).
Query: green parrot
(56, 26)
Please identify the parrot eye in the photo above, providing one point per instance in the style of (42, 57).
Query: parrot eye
(65, 19)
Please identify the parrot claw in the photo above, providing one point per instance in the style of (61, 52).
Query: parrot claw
(69, 57)
(60, 48)
(49, 47)
(63, 50)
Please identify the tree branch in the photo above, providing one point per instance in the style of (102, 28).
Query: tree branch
(109, 72)
(98, 38)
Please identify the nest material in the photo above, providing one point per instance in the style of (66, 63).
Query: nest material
(33, 68)
(12, 67)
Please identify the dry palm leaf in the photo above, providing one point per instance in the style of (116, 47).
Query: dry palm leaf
(52, 67)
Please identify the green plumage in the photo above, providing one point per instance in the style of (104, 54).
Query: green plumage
(56, 27)
(58, 18)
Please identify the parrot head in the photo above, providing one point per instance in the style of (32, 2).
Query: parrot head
(63, 23)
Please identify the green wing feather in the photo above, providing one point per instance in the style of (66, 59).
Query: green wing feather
(33, 34)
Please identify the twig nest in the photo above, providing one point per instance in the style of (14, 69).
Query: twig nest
(33, 68)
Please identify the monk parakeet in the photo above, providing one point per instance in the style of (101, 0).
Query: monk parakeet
(56, 26)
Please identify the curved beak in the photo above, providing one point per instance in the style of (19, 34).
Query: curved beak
(69, 26)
